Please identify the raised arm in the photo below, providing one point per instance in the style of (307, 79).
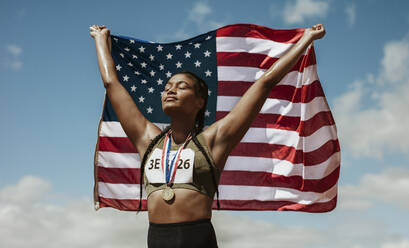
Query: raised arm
(223, 135)
(139, 130)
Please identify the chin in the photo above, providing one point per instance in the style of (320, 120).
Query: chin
(170, 109)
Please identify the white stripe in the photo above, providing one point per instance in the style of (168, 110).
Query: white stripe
(290, 138)
(252, 45)
(251, 74)
(118, 160)
(283, 167)
(238, 73)
(120, 191)
(229, 192)
(276, 106)
(114, 129)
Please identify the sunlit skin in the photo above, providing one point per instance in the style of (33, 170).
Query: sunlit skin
(181, 103)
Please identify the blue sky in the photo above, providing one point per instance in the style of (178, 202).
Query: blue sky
(51, 99)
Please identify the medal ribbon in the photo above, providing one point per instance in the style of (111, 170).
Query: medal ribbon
(167, 171)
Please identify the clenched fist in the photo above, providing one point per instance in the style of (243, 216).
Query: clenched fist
(97, 31)
(315, 32)
(101, 34)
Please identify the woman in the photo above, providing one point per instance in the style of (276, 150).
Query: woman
(181, 177)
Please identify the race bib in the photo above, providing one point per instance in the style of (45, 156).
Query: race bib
(184, 172)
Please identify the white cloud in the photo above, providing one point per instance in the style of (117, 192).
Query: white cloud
(200, 15)
(370, 116)
(25, 218)
(298, 11)
(261, 234)
(28, 190)
(197, 21)
(13, 61)
(14, 50)
(199, 12)
(16, 65)
(390, 186)
(396, 244)
(394, 62)
(350, 12)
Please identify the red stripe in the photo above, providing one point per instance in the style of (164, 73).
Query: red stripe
(258, 60)
(245, 59)
(256, 31)
(276, 205)
(270, 121)
(266, 179)
(118, 175)
(290, 93)
(116, 144)
(124, 204)
(291, 123)
(319, 120)
(287, 153)
(132, 205)
(243, 178)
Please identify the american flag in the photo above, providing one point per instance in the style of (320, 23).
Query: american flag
(288, 160)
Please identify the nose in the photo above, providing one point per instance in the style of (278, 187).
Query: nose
(169, 92)
(172, 90)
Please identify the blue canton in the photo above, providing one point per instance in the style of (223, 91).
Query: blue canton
(144, 68)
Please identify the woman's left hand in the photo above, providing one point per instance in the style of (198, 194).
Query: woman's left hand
(315, 32)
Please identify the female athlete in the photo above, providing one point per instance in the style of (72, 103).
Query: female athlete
(182, 164)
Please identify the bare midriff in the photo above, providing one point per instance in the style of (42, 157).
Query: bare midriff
(187, 205)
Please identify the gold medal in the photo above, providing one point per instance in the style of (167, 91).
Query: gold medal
(168, 193)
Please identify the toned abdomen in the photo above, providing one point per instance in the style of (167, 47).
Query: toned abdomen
(187, 205)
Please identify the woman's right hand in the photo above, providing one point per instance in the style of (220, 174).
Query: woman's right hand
(101, 33)
(97, 31)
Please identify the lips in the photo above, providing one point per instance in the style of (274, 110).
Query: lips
(170, 98)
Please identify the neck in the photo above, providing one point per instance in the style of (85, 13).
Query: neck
(181, 129)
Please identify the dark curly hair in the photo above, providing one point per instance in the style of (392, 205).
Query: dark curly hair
(201, 90)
